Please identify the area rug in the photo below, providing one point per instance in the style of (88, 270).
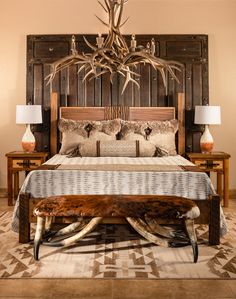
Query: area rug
(116, 251)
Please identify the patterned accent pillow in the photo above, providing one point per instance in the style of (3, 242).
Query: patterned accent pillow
(75, 132)
(133, 130)
(162, 135)
(117, 148)
(105, 130)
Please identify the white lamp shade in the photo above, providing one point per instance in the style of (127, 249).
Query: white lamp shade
(207, 115)
(28, 114)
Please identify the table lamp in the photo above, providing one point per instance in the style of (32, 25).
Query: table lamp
(28, 114)
(207, 115)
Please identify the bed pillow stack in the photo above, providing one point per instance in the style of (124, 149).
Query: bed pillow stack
(136, 138)
(160, 134)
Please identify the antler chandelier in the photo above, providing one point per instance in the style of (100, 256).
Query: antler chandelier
(113, 55)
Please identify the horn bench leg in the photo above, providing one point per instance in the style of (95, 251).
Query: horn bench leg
(142, 212)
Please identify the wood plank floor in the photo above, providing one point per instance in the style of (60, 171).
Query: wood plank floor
(116, 289)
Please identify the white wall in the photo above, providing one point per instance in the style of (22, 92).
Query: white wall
(213, 17)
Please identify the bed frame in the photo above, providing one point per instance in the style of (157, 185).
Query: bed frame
(210, 208)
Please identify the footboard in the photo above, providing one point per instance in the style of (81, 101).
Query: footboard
(210, 215)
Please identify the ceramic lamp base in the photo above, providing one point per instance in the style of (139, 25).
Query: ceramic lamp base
(28, 140)
(206, 141)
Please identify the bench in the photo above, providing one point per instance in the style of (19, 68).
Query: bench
(142, 212)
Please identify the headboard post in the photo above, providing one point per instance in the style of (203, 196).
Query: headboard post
(53, 127)
(181, 119)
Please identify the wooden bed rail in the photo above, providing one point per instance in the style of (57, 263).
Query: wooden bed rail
(131, 113)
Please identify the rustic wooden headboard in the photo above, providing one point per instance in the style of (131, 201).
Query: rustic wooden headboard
(123, 112)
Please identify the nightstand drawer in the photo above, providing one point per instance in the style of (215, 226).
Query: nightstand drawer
(209, 164)
(26, 163)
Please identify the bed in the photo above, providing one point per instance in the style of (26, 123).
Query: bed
(172, 175)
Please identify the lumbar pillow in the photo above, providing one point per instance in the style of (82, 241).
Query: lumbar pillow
(117, 148)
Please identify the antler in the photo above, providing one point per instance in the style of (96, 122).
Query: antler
(114, 56)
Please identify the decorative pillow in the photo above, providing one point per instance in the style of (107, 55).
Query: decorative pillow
(87, 148)
(133, 130)
(118, 148)
(104, 130)
(162, 135)
(146, 149)
(75, 132)
(114, 148)
(106, 148)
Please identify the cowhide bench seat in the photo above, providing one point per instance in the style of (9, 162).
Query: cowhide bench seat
(142, 212)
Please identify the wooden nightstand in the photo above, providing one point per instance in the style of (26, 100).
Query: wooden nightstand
(20, 161)
(217, 162)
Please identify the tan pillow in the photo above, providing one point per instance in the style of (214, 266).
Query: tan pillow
(105, 130)
(133, 130)
(75, 132)
(69, 141)
(105, 148)
(146, 149)
(114, 148)
(162, 135)
(118, 148)
(72, 132)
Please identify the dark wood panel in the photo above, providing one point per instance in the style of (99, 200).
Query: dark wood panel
(51, 49)
(183, 49)
(191, 50)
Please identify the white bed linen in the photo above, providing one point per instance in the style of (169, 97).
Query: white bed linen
(43, 183)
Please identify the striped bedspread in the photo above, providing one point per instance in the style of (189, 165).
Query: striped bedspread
(85, 176)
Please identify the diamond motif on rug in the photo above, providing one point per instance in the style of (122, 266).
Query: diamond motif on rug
(116, 251)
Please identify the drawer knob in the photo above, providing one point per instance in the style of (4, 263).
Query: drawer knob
(51, 49)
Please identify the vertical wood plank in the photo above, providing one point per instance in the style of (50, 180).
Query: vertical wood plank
(197, 86)
(54, 118)
(136, 90)
(106, 90)
(81, 89)
(115, 91)
(97, 92)
(181, 119)
(145, 86)
(64, 87)
(89, 92)
(72, 98)
(38, 84)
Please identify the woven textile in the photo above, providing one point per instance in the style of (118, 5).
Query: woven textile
(116, 251)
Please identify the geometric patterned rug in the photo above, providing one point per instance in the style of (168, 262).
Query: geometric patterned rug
(117, 251)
